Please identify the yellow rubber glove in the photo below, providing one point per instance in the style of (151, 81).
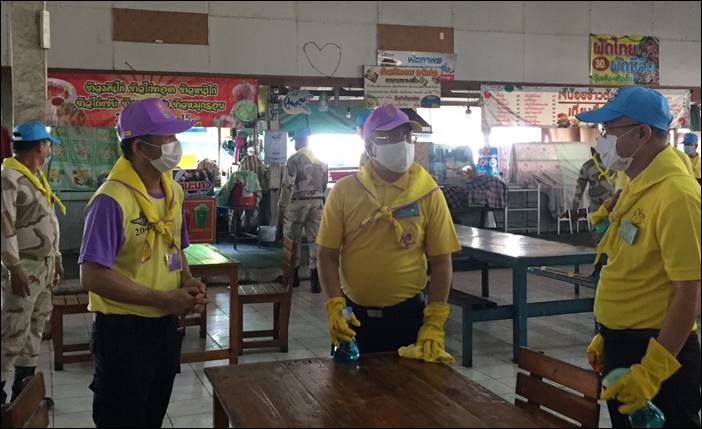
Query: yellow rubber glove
(338, 326)
(430, 338)
(643, 381)
(594, 353)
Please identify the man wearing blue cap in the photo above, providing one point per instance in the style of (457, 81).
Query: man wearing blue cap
(302, 200)
(30, 250)
(649, 291)
(690, 145)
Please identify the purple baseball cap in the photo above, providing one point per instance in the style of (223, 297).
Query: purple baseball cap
(385, 118)
(150, 116)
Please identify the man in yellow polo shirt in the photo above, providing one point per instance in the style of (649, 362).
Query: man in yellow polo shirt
(378, 227)
(137, 275)
(648, 296)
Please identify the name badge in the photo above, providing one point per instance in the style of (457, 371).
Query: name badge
(628, 232)
(409, 211)
(174, 261)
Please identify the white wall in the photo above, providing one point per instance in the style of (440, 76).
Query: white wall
(495, 41)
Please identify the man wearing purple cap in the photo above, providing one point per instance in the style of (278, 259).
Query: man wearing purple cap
(378, 227)
(648, 295)
(137, 275)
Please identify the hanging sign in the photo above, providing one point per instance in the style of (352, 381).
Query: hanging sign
(446, 62)
(623, 60)
(403, 86)
(533, 106)
(95, 99)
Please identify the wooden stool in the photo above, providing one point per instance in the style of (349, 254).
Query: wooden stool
(70, 303)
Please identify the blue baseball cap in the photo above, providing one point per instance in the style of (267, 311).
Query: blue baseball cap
(690, 139)
(32, 131)
(645, 105)
(301, 133)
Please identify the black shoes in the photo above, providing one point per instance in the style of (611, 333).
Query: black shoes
(296, 278)
(314, 282)
(21, 372)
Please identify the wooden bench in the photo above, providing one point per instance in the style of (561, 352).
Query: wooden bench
(31, 408)
(572, 277)
(71, 298)
(463, 263)
(471, 305)
(542, 398)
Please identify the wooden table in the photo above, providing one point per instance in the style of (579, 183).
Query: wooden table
(380, 390)
(520, 252)
(205, 260)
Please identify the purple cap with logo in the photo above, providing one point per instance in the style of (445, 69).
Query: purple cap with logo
(385, 118)
(150, 116)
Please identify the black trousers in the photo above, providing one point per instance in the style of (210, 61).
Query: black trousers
(679, 397)
(397, 326)
(136, 360)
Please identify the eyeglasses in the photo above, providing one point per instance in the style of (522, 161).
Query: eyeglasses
(394, 136)
(604, 130)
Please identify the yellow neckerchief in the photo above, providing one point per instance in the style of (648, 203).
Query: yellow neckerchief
(123, 172)
(666, 164)
(39, 182)
(420, 185)
(308, 153)
(606, 173)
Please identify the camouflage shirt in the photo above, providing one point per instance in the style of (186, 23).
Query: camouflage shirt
(601, 186)
(30, 228)
(304, 177)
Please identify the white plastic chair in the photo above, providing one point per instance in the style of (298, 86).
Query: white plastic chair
(565, 216)
(585, 219)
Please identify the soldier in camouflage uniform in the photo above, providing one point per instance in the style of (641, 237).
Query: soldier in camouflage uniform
(600, 180)
(302, 200)
(30, 238)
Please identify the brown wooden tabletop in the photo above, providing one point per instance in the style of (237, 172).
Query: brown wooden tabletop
(205, 260)
(380, 390)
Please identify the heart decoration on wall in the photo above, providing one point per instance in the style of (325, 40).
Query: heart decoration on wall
(315, 55)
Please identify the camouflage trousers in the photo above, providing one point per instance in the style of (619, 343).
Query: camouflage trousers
(304, 215)
(24, 318)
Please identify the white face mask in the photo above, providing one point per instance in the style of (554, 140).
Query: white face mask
(607, 148)
(47, 159)
(170, 156)
(689, 149)
(396, 157)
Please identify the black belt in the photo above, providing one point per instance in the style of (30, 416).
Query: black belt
(405, 307)
(630, 333)
(308, 199)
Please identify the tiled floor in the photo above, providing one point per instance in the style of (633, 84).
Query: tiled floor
(563, 337)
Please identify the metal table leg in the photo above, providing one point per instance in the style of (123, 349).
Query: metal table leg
(519, 299)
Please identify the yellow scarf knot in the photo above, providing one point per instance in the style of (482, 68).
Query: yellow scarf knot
(123, 172)
(39, 182)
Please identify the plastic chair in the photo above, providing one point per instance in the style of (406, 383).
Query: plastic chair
(583, 216)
